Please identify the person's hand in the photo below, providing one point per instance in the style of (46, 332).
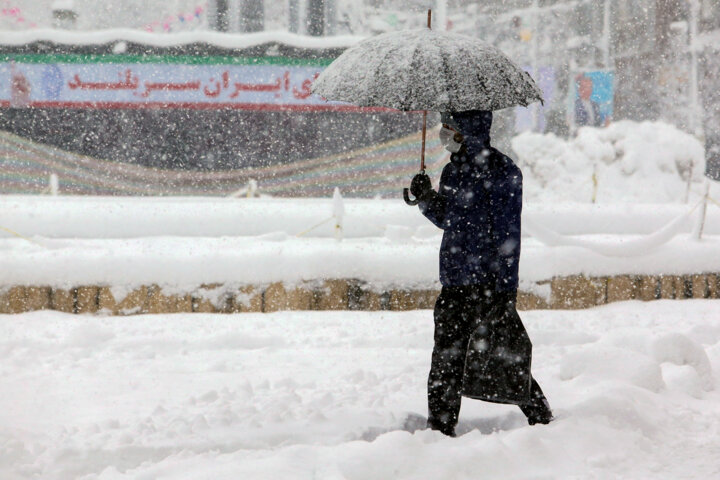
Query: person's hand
(420, 186)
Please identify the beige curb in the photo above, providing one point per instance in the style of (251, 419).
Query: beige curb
(573, 292)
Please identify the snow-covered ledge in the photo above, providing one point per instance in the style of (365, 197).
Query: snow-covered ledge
(218, 39)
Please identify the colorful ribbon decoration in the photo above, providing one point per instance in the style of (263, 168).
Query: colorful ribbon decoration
(14, 13)
(168, 23)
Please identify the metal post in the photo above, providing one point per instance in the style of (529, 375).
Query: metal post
(220, 18)
(694, 125)
(330, 17)
(535, 111)
(316, 18)
(294, 16)
(424, 130)
(252, 15)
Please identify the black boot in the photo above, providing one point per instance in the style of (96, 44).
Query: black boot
(543, 416)
(538, 410)
(445, 429)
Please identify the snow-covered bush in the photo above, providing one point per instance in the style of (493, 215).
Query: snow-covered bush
(632, 162)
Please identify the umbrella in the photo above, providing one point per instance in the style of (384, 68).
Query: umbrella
(426, 69)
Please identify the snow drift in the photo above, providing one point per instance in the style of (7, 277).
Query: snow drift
(341, 395)
(647, 162)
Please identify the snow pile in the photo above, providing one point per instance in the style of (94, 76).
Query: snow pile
(633, 162)
(341, 395)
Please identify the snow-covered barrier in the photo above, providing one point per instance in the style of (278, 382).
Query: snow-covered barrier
(179, 255)
(138, 217)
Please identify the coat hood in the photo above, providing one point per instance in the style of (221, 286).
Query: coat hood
(475, 127)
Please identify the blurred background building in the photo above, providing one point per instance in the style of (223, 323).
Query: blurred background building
(596, 60)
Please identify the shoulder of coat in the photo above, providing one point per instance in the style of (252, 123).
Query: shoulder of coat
(511, 171)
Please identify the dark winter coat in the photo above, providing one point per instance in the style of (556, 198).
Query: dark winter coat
(478, 205)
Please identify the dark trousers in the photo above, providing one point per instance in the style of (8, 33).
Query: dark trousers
(458, 312)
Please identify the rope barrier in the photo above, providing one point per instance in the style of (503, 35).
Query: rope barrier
(13, 232)
(14, 13)
(185, 19)
(304, 232)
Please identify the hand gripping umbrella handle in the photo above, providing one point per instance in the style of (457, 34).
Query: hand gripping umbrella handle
(406, 195)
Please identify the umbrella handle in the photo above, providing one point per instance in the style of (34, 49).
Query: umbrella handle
(406, 197)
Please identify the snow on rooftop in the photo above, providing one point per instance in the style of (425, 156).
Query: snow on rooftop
(224, 40)
(63, 5)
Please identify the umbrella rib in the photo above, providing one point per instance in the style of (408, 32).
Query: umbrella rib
(448, 76)
(408, 92)
(480, 79)
(379, 68)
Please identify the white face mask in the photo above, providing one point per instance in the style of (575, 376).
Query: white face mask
(447, 138)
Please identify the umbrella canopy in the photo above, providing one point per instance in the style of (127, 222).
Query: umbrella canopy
(426, 70)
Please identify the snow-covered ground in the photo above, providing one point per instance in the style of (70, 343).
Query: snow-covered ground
(341, 395)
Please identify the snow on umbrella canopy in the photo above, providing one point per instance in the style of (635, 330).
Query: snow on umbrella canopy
(426, 70)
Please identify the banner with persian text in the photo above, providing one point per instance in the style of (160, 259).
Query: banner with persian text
(117, 81)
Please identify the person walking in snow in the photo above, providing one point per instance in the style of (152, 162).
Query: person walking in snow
(478, 206)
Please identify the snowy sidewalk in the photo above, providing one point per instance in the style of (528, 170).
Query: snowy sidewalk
(336, 395)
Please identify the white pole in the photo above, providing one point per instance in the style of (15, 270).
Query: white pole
(338, 213)
(700, 222)
(440, 15)
(606, 33)
(252, 188)
(54, 184)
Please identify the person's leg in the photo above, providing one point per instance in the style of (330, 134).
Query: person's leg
(538, 410)
(448, 360)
